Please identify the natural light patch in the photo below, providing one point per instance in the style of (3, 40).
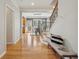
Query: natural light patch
(29, 40)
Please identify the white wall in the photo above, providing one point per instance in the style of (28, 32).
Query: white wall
(66, 23)
(16, 19)
(2, 28)
(16, 25)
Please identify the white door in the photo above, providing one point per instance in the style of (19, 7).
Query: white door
(9, 25)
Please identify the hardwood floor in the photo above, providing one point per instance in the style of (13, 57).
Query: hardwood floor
(29, 47)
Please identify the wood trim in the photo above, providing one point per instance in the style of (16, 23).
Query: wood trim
(56, 6)
(53, 14)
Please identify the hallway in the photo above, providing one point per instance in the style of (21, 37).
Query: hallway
(29, 47)
(59, 17)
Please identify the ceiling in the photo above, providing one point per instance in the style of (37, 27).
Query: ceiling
(36, 4)
(42, 7)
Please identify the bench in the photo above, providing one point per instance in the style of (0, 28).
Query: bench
(62, 53)
(61, 50)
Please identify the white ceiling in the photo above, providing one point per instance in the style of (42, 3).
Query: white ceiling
(45, 7)
(38, 4)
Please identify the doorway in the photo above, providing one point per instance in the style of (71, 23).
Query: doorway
(9, 25)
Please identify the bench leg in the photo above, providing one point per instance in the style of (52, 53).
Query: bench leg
(62, 57)
(49, 46)
(68, 57)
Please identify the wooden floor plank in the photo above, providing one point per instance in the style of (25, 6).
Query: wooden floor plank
(29, 47)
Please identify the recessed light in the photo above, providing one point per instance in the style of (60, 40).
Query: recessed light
(33, 3)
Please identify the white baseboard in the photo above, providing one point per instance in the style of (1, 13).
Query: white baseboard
(10, 42)
(13, 42)
(16, 40)
(2, 54)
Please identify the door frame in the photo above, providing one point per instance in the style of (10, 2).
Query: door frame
(9, 7)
